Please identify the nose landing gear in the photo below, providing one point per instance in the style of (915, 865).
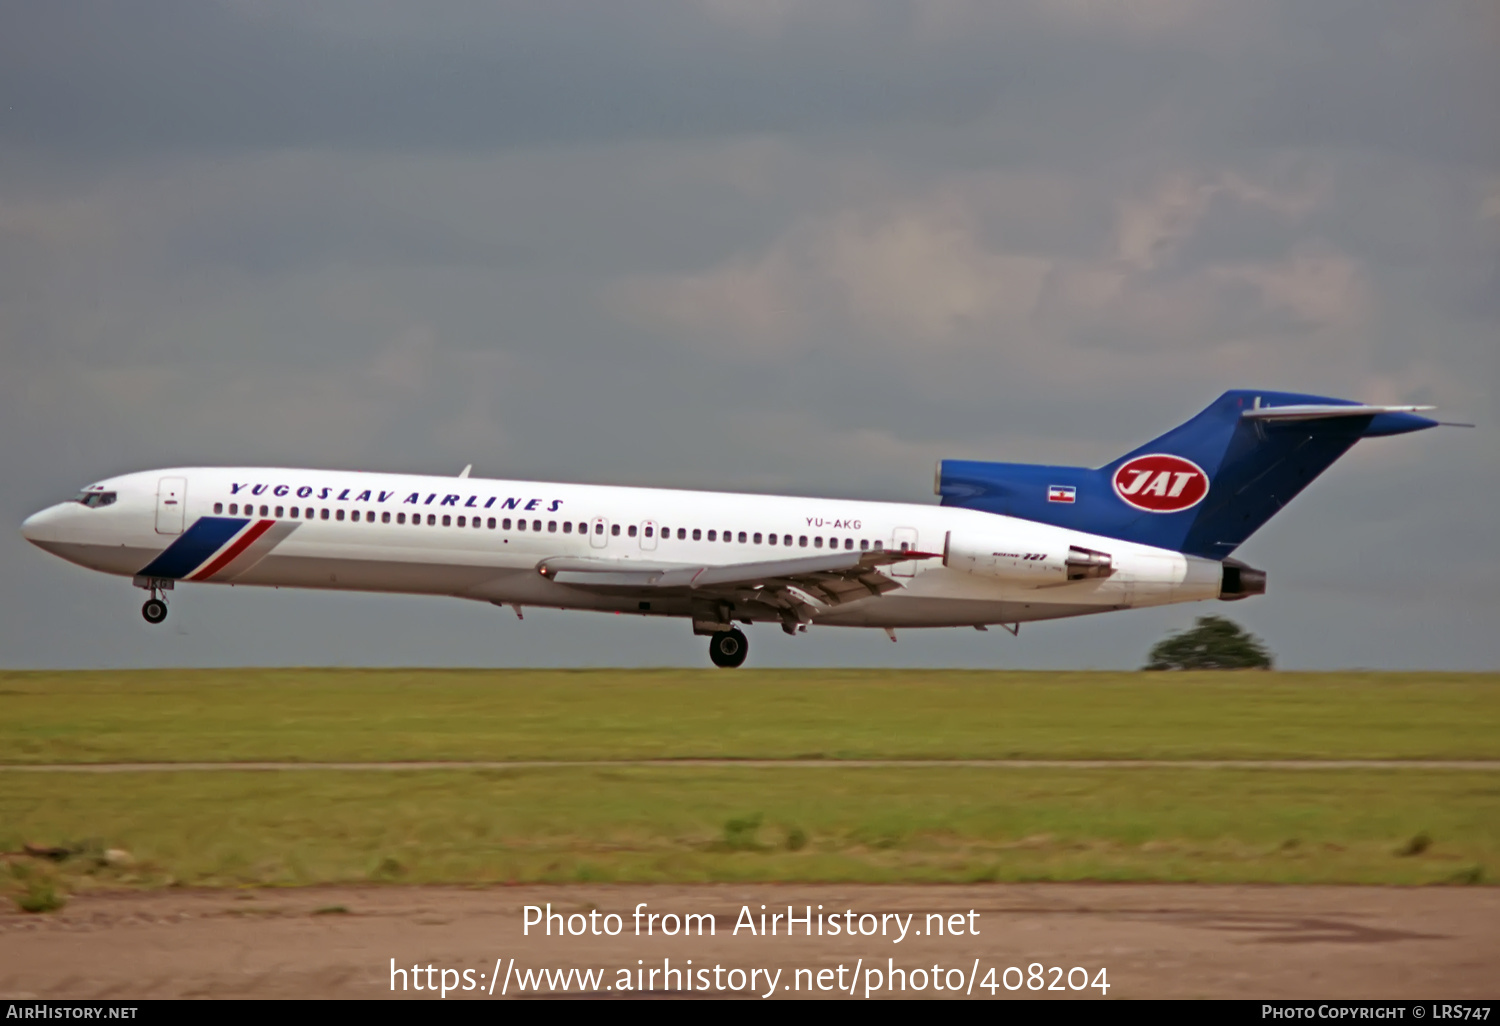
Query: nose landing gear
(155, 607)
(728, 648)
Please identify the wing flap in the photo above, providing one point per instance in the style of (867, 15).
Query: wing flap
(829, 579)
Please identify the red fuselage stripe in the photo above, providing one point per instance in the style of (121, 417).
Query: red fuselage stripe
(257, 529)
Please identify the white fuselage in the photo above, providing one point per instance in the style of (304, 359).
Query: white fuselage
(484, 539)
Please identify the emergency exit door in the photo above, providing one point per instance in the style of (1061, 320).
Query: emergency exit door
(904, 539)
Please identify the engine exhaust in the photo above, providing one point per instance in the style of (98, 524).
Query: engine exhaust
(1241, 581)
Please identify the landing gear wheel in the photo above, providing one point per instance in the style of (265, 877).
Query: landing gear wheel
(155, 610)
(728, 648)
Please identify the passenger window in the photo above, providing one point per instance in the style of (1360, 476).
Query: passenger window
(742, 538)
(295, 513)
(757, 537)
(385, 518)
(218, 507)
(648, 532)
(599, 528)
(682, 534)
(505, 524)
(631, 531)
(339, 515)
(520, 525)
(447, 520)
(818, 542)
(400, 518)
(787, 540)
(492, 523)
(697, 534)
(354, 515)
(848, 543)
(583, 528)
(461, 522)
(802, 541)
(474, 522)
(536, 525)
(713, 535)
(280, 512)
(864, 545)
(432, 520)
(323, 513)
(567, 527)
(265, 511)
(552, 527)
(771, 539)
(904, 546)
(879, 545)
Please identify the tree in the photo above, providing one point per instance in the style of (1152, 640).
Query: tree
(1213, 643)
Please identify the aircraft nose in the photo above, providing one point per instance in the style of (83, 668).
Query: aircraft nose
(41, 527)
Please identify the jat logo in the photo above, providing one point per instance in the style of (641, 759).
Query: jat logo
(1160, 483)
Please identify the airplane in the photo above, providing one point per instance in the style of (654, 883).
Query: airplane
(1009, 543)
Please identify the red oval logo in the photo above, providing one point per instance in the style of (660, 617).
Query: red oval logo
(1161, 483)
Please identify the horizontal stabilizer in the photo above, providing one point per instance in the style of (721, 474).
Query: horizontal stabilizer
(1324, 411)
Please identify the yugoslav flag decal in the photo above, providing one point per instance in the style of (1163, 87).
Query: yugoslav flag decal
(1161, 483)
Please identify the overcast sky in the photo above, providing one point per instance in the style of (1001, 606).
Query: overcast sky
(803, 246)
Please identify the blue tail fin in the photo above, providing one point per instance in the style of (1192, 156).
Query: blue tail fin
(1202, 488)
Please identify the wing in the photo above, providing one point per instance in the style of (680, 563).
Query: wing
(794, 588)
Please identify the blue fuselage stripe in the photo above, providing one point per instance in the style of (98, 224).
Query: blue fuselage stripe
(193, 547)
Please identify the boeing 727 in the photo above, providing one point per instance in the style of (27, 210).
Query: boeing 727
(1009, 543)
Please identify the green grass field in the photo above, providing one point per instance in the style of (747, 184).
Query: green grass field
(235, 828)
(376, 715)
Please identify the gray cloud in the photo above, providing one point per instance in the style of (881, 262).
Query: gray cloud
(790, 247)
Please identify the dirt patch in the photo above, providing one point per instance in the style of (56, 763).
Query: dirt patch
(1155, 940)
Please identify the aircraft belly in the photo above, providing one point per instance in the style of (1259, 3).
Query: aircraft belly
(913, 611)
(355, 574)
(109, 559)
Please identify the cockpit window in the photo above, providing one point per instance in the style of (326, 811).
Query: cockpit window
(94, 499)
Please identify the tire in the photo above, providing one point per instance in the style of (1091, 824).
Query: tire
(728, 649)
(155, 610)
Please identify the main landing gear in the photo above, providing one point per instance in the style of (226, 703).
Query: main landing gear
(728, 648)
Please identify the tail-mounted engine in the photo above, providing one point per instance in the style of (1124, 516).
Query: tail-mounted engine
(990, 557)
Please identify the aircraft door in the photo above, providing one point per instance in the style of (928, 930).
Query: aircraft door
(599, 533)
(171, 500)
(649, 531)
(902, 539)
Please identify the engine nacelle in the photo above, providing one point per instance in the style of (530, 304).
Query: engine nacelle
(991, 557)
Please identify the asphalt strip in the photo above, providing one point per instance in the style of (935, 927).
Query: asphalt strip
(1483, 765)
